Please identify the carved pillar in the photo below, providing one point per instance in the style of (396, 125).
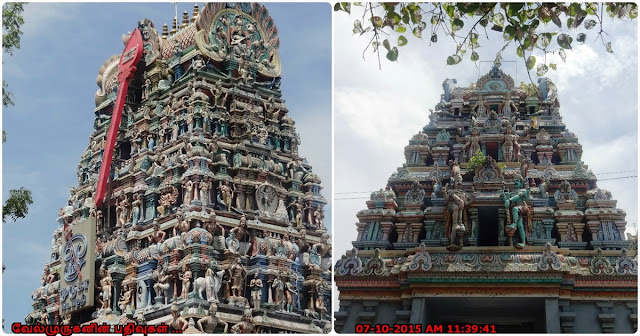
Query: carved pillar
(579, 227)
(360, 227)
(386, 230)
(621, 226)
(593, 227)
(240, 197)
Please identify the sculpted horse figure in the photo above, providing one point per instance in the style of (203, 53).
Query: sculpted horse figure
(211, 283)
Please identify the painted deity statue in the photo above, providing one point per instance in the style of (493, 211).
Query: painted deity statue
(509, 107)
(238, 272)
(510, 147)
(473, 144)
(479, 108)
(178, 323)
(186, 281)
(457, 201)
(517, 207)
(211, 321)
(279, 286)
(135, 210)
(256, 292)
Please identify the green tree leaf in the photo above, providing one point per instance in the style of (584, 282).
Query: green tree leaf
(346, 6)
(401, 29)
(417, 32)
(564, 41)
(498, 19)
(357, 27)
(434, 37)
(563, 55)
(402, 41)
(376, 21)
(392, 55)
(17, 205)
(531, 62)
(474, 56)
(589, 24)
(581, 37)
(386, 44)
(553, 66)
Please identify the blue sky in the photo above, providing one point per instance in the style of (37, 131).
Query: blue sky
(53, 79)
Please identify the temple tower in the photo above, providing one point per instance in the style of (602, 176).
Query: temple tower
(211, 218)
(494, 221)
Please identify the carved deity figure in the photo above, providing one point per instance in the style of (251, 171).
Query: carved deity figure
(188, 192)
(279, 287)
(241, 230)
(517, 207)
(126, 299)
(136, 209)
(510, 146)
(238, 273)
(186, 281)
(156, 236)
(473, 144)
(178, 323)
(448, 85)
(204, 192)
(318, 216)
(211, 320)
(161, 286)
(123, 211)
(479, 108)
(457, 200)
(256, 292)
(296, 212)
(106, 283)
(226, 194)
(509, 107)
(290, 294)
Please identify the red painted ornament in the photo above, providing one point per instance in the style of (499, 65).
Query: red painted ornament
(128, 62)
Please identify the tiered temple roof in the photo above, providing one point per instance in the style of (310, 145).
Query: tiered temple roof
(210, 214)
(492, 201)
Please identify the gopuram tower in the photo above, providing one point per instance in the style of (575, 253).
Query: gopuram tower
(492, 223)
(211, 221)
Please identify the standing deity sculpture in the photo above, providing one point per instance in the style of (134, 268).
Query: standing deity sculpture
(186, 281)
(296, 212)
(123, 211)
(279, 286)
(226, 194)
(457, 202)
(256, 292)
(510, 146)
(161, 286)
(473, 144)
(448, 85)
(204, 192)
(238, 273)
(106, 283)
(479, 108)
(136, 209)
(318, 216)
(290, 295)
(241, 230)
(517, 207)
(509, 107)
(188, 192)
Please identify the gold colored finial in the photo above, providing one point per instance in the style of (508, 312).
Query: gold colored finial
(185, 20)
(196, 11)
(165, 31)
(175, 26)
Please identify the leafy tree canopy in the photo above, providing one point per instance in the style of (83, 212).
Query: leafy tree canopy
(546, 28)
(17, 206)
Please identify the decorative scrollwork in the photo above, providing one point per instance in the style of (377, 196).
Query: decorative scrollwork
(74, 253)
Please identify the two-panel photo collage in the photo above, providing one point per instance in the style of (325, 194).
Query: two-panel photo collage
(319, 168)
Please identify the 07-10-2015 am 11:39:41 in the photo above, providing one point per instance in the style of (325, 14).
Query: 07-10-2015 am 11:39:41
(429, 328)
